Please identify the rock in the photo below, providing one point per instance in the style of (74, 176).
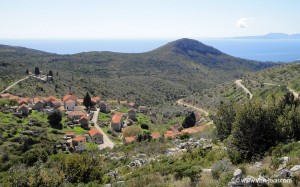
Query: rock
(207, 147)
(284, 173)
(237, 173)
(295, 168)
(257, 165)
(206, 170)
(184, 150)
(141, 155)
(182, 145)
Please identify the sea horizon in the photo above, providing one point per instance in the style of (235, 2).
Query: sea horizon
(276, 50)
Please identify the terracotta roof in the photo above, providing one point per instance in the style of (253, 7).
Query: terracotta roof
(69, 96)
(190, 130)
(94, 131)
(70, 101)
(22, 100)
(96, 99)
(80, 100)
(171, 134)
(23, 105)
(85, 117)
(13, 97)
(155, 135)
(5, 95)
(55, 101)
(51, 98)
(129, 139)
(78, 138)
(117, 117)
(70, 133)
(36, 100)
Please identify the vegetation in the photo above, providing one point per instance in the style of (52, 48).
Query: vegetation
(87, 102)
(189, 121)
(54, 119)
(254, 128)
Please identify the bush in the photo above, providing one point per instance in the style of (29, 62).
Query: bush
(145, 126)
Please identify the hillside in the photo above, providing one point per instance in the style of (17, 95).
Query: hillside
(176, 69)
(266, 86)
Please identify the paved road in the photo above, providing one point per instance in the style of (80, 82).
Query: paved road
(181, 102)
(239, 84)
(106, 141)
(9, 87)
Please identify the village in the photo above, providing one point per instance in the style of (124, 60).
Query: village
(122, 115)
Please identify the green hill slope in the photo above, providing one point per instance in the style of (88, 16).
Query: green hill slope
(178, 68)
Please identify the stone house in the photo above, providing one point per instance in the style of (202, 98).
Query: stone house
(96, 136)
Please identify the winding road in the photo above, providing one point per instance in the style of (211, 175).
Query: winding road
(106, 140)
(9, 87)
(239, 84)
(182, 103)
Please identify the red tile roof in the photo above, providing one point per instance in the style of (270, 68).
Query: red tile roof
(80, 100)
(5, 95)
(96, 99)
(84, 117)
(117, 117)
(155, 135)
(171, 134)
(70, 133)
(78, 138)
(94, 131)
(129, 139)
(23, 106)
(51, 98)
(69, 96)
(190, 130)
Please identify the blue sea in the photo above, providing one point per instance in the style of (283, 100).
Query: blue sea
(255, 49)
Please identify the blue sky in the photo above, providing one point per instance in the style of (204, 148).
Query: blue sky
(59, 19)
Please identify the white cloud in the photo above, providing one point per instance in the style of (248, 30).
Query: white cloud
(243, 22)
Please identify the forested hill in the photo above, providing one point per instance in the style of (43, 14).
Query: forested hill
(178, 68)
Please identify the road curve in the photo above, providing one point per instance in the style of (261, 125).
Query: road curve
(239, 84)
(106, 140)
(15, 83)
(182, 103)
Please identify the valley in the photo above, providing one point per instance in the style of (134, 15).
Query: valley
(175, 116)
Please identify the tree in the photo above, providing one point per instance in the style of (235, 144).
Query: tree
(133, 130)
(87, 101)
(189, 121)
(224, 120)
(255, 130)
(27, 71)
(37, 71)
(54, 119)
(56, 73)
(50, 73)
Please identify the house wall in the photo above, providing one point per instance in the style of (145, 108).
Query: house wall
(70, 106)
